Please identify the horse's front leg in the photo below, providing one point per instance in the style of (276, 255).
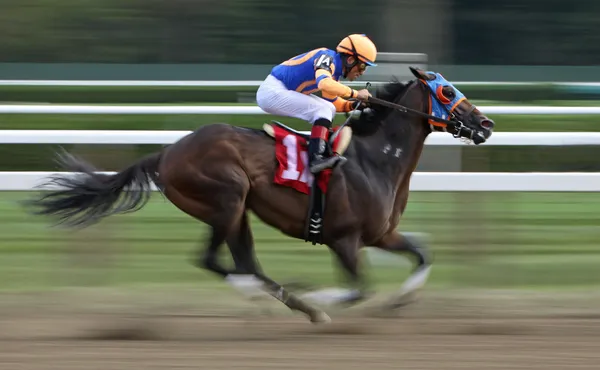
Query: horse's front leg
(394, 242)
(346, 250)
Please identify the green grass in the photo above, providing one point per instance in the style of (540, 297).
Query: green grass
(516, 240)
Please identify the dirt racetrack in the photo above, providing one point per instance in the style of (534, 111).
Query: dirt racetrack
(61, 334)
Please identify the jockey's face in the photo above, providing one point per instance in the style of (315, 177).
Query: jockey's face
(355, 71)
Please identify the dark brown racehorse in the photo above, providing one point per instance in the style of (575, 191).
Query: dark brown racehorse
(219, 173)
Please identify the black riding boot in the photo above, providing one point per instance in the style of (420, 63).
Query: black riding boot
(317, 156)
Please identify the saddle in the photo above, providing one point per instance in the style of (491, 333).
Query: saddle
(338, 142)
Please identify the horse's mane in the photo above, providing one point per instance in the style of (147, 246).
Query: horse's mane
(391, 90)
(369, 122)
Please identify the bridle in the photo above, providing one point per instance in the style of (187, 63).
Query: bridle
(454, 125)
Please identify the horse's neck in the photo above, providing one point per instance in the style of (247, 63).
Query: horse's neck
(406, 137)
(391, 154)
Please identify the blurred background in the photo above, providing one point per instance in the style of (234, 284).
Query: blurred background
(494, 249)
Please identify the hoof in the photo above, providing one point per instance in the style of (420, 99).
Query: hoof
(402, 301)
(320, 317)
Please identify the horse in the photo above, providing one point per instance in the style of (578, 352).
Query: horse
(219, 173)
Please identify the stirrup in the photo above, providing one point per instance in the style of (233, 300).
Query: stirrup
(320, 164)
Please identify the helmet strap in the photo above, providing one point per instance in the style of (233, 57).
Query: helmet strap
(347, 65)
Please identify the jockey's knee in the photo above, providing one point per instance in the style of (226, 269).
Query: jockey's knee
(261, 99)
(333, 110)
(325, 112)
(325, 122)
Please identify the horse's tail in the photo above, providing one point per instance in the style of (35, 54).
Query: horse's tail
(88, 196)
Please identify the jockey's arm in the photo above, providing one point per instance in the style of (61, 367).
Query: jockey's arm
(334, 91)
(330, 88)
(341, 105)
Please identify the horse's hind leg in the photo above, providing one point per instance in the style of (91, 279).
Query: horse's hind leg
(221, 226)
(208, 259)
(224, 211)
(241, 245)
(220, 209)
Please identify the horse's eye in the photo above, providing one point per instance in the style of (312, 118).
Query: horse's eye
(448, 92)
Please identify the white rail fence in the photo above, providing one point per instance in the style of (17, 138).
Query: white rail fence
(421, 181)
(435, 181)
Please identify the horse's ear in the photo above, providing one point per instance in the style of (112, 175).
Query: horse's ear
(421, 74)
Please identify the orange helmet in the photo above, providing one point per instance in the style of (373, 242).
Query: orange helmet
(359, 46)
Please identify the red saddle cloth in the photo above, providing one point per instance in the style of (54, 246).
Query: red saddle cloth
(292, 170)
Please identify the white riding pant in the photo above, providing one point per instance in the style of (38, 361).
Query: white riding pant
(274, 98)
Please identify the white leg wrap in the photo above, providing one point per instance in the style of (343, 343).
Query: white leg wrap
(248, 285)
(330, 296)
(415, 281)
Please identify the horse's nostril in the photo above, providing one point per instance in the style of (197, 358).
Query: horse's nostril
(487, 124)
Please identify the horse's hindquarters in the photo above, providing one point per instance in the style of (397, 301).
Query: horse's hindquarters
(203, 174)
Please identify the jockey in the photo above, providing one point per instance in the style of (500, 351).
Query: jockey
(288, 90)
